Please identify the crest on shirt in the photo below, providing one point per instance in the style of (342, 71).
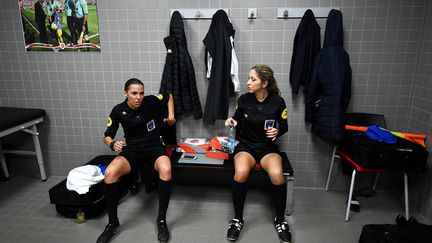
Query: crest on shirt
(109, 123)
(269, 124)
(151, 126)
(284, 114)
(159, 96)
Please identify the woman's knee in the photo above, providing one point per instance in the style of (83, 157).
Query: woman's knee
(165, 174)
(241, 174)
(164, 169)
(111, 175)
(276, 177)
(117, 168)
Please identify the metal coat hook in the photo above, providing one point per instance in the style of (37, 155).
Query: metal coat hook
(285, 13)
(252, 13)
(198, 14)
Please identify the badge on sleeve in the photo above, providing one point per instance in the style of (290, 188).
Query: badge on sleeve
(159, 96)
(150, 126)
(284, 114)
(109, 123)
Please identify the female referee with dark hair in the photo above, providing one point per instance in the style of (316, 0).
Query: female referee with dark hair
(138, 116)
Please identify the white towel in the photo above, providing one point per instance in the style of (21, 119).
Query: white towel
(82, 178)
(234, 68)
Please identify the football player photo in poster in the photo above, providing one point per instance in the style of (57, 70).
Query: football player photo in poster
(60, 25)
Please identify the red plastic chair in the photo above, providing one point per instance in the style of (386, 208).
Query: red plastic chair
(363, 119)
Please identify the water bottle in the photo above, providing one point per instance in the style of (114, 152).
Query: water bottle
(231, 139)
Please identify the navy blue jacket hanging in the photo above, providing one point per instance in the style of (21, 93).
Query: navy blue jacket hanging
(329, 91)
(217, 43)
(178, 76)
(307, 43)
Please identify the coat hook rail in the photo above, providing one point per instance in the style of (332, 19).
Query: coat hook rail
(288, 13)
(195, 13)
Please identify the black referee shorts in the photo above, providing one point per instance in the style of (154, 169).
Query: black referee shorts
(137, 158)
(257, 155)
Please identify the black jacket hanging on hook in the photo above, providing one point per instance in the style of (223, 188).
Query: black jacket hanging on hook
(307, 43)
(178, 76)
(329, 91)
(217, 43)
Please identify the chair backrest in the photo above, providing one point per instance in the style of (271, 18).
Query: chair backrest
(365, 119)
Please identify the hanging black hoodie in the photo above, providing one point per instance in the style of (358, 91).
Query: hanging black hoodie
(329, 91)
(217, 43)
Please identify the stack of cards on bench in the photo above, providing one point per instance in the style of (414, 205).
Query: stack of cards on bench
(194, 151)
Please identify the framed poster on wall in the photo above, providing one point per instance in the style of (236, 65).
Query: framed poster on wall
(60, 25)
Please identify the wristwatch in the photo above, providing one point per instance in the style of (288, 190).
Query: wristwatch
(112, 145)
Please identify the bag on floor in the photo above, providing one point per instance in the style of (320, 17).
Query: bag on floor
(70, 203)
(392, 233)
(402, 155)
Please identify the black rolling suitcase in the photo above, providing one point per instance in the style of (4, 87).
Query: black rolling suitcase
(92, 204)
(402, 155)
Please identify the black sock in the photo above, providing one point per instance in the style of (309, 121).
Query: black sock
(164, 198)
(279, 194)
(239, 190)
(111, 197)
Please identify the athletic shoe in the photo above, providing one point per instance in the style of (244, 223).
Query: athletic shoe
(163, 232)
(109, 232)
(283, 231)
(234, 228)
(401, 220)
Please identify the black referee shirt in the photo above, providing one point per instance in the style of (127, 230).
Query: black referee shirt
(252, 116)
(140, 126)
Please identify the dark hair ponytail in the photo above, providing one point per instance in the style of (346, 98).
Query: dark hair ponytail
(132, 81)
(265, 73)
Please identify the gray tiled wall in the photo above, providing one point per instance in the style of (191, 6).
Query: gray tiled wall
(420, 116)
(78, 89)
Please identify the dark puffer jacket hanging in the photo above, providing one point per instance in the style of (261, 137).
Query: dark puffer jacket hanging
(178, 76)
(329, 90)
(218, 44)
(307, 44)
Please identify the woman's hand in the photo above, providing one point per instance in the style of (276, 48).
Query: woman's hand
(272, 133)
(230, 122)
(170, 120)
(118, 145)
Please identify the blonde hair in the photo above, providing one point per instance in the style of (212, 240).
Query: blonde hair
(265, 73)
